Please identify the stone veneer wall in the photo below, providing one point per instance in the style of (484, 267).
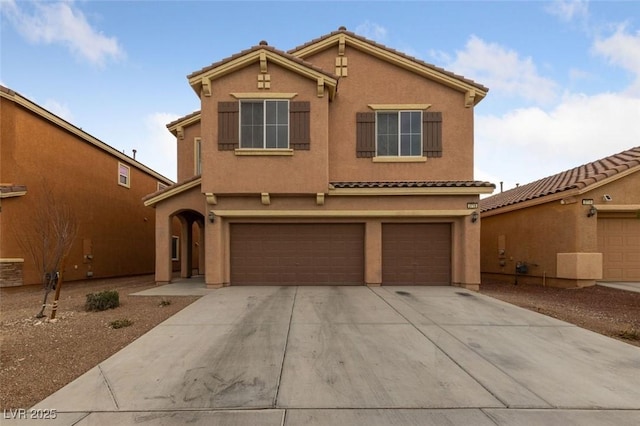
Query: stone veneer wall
(11, 272)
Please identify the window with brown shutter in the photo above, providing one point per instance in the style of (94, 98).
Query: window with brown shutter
(365, 134)
(299, 121)
(432, 134)
(228, 125)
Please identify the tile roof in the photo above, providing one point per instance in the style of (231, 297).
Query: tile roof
(186, 117)
(416, 184)
(262, 46)
(577, 178)
(343, 30)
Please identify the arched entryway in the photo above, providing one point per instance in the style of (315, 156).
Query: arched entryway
(187, 243)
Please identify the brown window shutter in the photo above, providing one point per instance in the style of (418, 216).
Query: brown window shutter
(299, 121)
(228, 124)
(432, 134)
(365, 134)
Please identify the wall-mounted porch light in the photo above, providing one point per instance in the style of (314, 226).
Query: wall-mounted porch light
(592, 211)
(212, 217)
(474, 217)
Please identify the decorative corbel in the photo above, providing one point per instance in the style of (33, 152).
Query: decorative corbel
(180, 132)
(263, 62)
(206, 86)
(320, 87)
(211, 198)
(320, 198)
(469, 98)
(264, 197)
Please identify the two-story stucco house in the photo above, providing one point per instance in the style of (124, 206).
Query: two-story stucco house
(46, 160)
(341, 161)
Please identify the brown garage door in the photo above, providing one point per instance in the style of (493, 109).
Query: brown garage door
(297, 254)
(416, 254)
(619, 242)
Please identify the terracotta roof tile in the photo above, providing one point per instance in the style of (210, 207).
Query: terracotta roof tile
(265, 47)
(186, 117)
(388, 49)
(415, 184)
(577, 178)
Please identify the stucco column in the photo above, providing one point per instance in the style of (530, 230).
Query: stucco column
(201, 250)
(163, 247)
(214, 271)
(470, 276)
(373, 253)
(185, 248)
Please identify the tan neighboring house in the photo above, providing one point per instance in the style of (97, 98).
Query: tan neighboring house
(39, 152)
(340, 161)
(569, 229)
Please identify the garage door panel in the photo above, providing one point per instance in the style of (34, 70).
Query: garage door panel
(297, 254)
(416, 254)
(619, 243)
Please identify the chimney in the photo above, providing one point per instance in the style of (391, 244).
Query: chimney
(134, 153)
(501, 186)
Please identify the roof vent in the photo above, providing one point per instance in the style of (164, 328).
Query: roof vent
(342, 28)
(263, 43)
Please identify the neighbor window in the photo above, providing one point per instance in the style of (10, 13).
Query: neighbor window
(399, 133)
(264, 124)
(175, 247)
(124, 173)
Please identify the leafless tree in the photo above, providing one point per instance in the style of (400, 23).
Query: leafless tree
(54, 229)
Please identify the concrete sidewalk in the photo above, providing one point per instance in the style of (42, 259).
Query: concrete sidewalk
(628, 286)
(358, 356)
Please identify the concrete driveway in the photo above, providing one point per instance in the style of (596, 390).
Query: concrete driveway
(358, 356)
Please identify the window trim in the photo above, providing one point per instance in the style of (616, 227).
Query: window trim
(127, 176)
(264, 126)
(162, 186)
(399, 135)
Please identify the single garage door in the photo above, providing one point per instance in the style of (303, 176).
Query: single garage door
(619, 242)
(416, 254)
(297, 254)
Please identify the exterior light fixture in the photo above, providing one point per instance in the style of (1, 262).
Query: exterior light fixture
(474, 217)
(212, 217)
(592, 211)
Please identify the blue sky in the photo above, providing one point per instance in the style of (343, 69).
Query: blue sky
(564, 76)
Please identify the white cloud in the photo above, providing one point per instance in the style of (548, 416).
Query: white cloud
(372, 30)
(61, 23)
(158, 147)
(622, 49)
(61, 110)
(569, 10)
(529, 143)
(500, 69)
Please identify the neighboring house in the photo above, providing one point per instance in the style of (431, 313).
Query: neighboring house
(338, 162)
(569, 229)
(42, 152)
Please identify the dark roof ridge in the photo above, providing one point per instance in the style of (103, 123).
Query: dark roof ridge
(263, 47)
(343, 30)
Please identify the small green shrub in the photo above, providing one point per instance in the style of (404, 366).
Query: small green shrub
(120, 323)
(631, 334)
(164, 302)
(103, 300)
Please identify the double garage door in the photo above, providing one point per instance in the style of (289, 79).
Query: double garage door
(333, 254)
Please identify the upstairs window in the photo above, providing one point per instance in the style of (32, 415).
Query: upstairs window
(264, 124)
(399, 133)
(124, 173)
